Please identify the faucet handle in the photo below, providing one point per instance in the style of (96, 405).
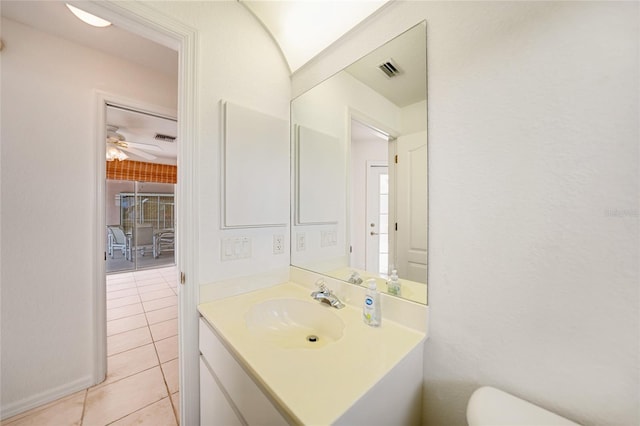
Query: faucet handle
(322, 286)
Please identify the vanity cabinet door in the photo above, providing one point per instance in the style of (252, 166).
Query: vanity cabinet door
(214, 407)
(250, 401)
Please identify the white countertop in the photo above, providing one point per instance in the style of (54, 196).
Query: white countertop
(313, 386)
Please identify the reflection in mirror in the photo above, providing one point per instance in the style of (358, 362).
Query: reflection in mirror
(360, 170)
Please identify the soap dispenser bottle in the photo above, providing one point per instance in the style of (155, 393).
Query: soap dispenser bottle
(393, 285)
(371, 312)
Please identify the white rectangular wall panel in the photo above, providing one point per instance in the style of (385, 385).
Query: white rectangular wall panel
(255, 169)
(319, 165)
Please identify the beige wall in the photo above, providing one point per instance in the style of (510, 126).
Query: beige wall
(49, 110)
(240, 63)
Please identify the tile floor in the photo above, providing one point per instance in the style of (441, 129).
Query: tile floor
(142, 353)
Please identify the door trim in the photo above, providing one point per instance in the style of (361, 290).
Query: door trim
(371, 165)
(103, 99)
(141, 19)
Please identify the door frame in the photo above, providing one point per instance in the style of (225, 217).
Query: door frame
(376, 126)
(105, 99)
(371, 166)
(144, 21)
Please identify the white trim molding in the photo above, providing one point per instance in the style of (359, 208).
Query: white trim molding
(103, 99)
(41, 398)
(147, 22)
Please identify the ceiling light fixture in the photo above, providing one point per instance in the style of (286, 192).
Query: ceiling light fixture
(114, 153)
(87, 17)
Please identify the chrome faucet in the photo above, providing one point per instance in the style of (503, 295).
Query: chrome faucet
(325, 295)
(355, 278)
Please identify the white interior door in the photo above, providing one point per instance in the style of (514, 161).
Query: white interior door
(377, 224)
(411, 207)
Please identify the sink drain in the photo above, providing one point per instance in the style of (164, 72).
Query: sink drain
(312, 338)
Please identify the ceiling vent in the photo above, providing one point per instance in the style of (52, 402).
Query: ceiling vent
(164, 138)
(389, 68)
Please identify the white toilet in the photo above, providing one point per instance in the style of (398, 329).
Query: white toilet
(492, 407)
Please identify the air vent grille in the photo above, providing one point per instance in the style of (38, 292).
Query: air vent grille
(389, 68)
(164, 138)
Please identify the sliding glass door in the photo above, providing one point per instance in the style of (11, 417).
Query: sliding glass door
(141, 222)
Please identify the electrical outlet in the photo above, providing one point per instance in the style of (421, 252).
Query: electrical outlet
(278, 244)
(301, 241)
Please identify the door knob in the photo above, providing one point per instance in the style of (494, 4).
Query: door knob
(374, 233)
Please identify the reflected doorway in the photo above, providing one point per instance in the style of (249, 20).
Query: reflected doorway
(371, 198)
(377, 240)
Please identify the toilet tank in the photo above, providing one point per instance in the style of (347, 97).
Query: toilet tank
(492, 407)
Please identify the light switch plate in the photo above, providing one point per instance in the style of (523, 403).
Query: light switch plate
(328, 238)
(235, 248)
(301, 241)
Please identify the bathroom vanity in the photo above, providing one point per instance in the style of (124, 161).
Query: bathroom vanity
(275, 356)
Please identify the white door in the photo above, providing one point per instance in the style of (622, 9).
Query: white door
(411, 207)
(377, 225)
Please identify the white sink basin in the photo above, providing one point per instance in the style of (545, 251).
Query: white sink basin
(294, 323)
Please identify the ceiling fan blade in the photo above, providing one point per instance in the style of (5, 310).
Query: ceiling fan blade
(144, 146)
(139, 153)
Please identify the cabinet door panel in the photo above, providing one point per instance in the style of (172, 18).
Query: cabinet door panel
(249, 399)
(214, 408)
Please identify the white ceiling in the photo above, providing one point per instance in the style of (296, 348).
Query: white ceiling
(408, 53)
(362, 132)
(54, 18)
(142, 128)
(303, 29)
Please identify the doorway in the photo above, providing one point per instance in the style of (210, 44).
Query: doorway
(141, 173)
(147, 23)
(377, 240)
(371, 198)
(141, 278)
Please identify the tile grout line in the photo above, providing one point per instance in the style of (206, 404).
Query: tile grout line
(173, 407)
(129, 304)
(159, 365)
(139, 409)
(126, 331)
(84, 405)
(164, 377)
(141, 302)
(103, 384)
(126, 316)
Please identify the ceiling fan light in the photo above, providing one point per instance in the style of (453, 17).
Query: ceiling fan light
(87, 17)
(114, 153)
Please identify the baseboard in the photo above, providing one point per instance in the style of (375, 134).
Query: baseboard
(15, 408)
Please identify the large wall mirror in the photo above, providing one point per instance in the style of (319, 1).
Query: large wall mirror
(359, 142)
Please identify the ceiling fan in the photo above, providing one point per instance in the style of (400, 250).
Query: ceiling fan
(116, 144)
